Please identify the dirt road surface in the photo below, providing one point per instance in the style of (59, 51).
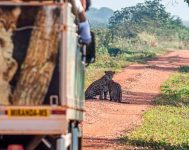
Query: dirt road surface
(106, 121)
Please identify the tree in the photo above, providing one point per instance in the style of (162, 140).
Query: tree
(150, 17)
(131, 20)
(187, 1)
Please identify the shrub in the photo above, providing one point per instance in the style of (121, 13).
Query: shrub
(184, 69)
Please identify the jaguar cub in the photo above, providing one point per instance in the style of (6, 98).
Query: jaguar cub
(115, 91)
(99, 87)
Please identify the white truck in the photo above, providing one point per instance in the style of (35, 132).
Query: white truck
(55, 122)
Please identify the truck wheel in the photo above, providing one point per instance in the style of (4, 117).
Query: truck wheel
(76, 136)
(79, 143)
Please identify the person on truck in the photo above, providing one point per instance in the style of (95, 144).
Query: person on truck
(84, 29)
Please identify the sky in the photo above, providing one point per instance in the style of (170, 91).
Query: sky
(178, 8)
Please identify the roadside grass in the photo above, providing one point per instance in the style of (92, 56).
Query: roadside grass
(166, 126)
(141, 57)
(175, 91)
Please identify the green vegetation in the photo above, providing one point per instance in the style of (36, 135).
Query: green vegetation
(187, 1)
(151, 19)
(175, 91)
(164, 127)
(184, 69)
(134, 34)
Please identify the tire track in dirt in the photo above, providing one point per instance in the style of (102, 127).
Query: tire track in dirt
(106, 121)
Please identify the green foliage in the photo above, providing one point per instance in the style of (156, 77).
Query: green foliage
(164, 127)
(135, 19)
(151, 17)
(175, 91)
(105, 61)
(187, 1)
(103, 37)
(184, 69)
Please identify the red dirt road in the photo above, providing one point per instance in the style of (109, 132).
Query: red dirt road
(106, 121)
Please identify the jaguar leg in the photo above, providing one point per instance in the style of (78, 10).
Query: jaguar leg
(105, 95)
(101, 95)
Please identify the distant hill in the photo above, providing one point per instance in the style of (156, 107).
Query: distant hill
(186, 23)
(99, 17)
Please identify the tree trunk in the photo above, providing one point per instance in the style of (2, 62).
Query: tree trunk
(40, 60)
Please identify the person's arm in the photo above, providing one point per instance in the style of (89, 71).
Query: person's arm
(80, 10)
(84, 28)
(83, 2)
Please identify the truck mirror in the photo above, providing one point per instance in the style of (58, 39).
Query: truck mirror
(91, 50)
